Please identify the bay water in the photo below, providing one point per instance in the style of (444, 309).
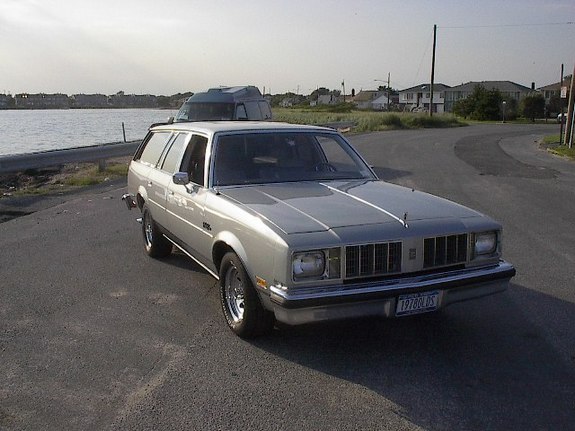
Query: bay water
(30, 131)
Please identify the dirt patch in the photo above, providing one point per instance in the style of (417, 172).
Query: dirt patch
(61, 179)
(24, 193)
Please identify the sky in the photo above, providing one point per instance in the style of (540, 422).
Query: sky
(170, 46)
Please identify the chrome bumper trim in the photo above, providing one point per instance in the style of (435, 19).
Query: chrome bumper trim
(464, 279)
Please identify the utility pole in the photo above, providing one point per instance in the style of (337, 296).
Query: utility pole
(432, 70)
(569, 125)
(561, 107)
(388, 89)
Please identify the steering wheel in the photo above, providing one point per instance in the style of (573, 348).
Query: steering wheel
(324, 166)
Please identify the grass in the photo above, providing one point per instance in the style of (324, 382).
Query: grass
(366, 121)
(60, 180)
(551, 143)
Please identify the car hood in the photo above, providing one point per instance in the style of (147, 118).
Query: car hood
(313, 207)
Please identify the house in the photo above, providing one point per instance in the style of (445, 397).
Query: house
(6, 101)
(89, 100)
(328, 99)
(41, 101)
(552, 94)
(508, 89)
(418, 98)
(385, 102)
(365, 98)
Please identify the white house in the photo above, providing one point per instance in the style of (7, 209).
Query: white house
(418, 98)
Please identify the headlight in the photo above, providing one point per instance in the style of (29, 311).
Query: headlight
(485, 243)
(308, 264)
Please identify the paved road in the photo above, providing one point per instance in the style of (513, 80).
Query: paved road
(96, 336)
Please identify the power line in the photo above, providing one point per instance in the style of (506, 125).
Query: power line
(510, 25)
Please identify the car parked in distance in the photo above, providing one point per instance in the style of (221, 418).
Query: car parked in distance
(226, 103)
(297, 227)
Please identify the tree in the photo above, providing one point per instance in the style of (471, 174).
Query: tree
(480, 105)
(533, 106)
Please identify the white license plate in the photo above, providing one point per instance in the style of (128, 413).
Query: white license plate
(416, 303)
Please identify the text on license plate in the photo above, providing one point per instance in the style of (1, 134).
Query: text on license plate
(415, 303)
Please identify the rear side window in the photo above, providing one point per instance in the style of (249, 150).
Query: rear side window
(174, 154)
(265, 109)
(153, 149)
(253, 111)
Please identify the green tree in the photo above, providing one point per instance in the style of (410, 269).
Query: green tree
(533, 106)
(480, 105)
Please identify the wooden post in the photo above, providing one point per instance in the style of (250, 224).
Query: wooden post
(124, 131)
(432, 70)
(569, 124)
(561, 108)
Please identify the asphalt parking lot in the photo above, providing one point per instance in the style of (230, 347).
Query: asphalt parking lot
(94, 335)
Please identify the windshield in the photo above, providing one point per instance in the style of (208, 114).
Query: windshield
(197, 111)
(272, 157)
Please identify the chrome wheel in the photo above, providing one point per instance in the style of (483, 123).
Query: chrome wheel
(148, 230)
(234, 294)
(155, 244)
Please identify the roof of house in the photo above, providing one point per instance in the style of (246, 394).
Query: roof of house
(426, 87)
(557, 86)
(503, 86)
(366, 96)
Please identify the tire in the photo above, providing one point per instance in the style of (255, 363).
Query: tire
(155, 244)
(241, 304)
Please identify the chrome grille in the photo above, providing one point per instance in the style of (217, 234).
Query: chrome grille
(444, 250)
(372, 259)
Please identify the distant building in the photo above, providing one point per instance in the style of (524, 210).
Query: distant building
(365, 98)
(328, 99)
(554, 90)
(6, 101)
(41, 101)
(381, 103)
(89, 101)
(418, 98)
(508, 89)
(122, 100)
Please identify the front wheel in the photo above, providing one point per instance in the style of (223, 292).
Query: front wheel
(155, 244)
(241, 305)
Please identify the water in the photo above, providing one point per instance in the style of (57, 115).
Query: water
(30, 131)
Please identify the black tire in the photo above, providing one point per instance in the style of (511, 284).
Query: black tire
(241, 304)
(155, 244)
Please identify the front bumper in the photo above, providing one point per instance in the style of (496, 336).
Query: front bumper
(306, 305)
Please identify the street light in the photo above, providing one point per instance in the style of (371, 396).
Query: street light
(388, 89)
(504, 103)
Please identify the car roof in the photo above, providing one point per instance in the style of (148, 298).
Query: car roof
(227, 95)
(213, 127)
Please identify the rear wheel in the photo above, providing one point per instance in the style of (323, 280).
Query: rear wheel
(241, 305)
(155, 244)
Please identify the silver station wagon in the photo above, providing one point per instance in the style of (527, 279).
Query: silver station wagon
(297, 228)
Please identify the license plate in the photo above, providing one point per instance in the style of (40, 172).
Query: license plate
(416, 303)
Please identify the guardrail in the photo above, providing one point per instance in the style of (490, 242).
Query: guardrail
(45, 159)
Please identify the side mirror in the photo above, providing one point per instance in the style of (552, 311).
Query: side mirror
(181, 178)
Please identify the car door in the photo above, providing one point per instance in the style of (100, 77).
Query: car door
(146, 174)
(161, 177)
(186, 203)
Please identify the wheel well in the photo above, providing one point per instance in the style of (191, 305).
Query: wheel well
(218, 252)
